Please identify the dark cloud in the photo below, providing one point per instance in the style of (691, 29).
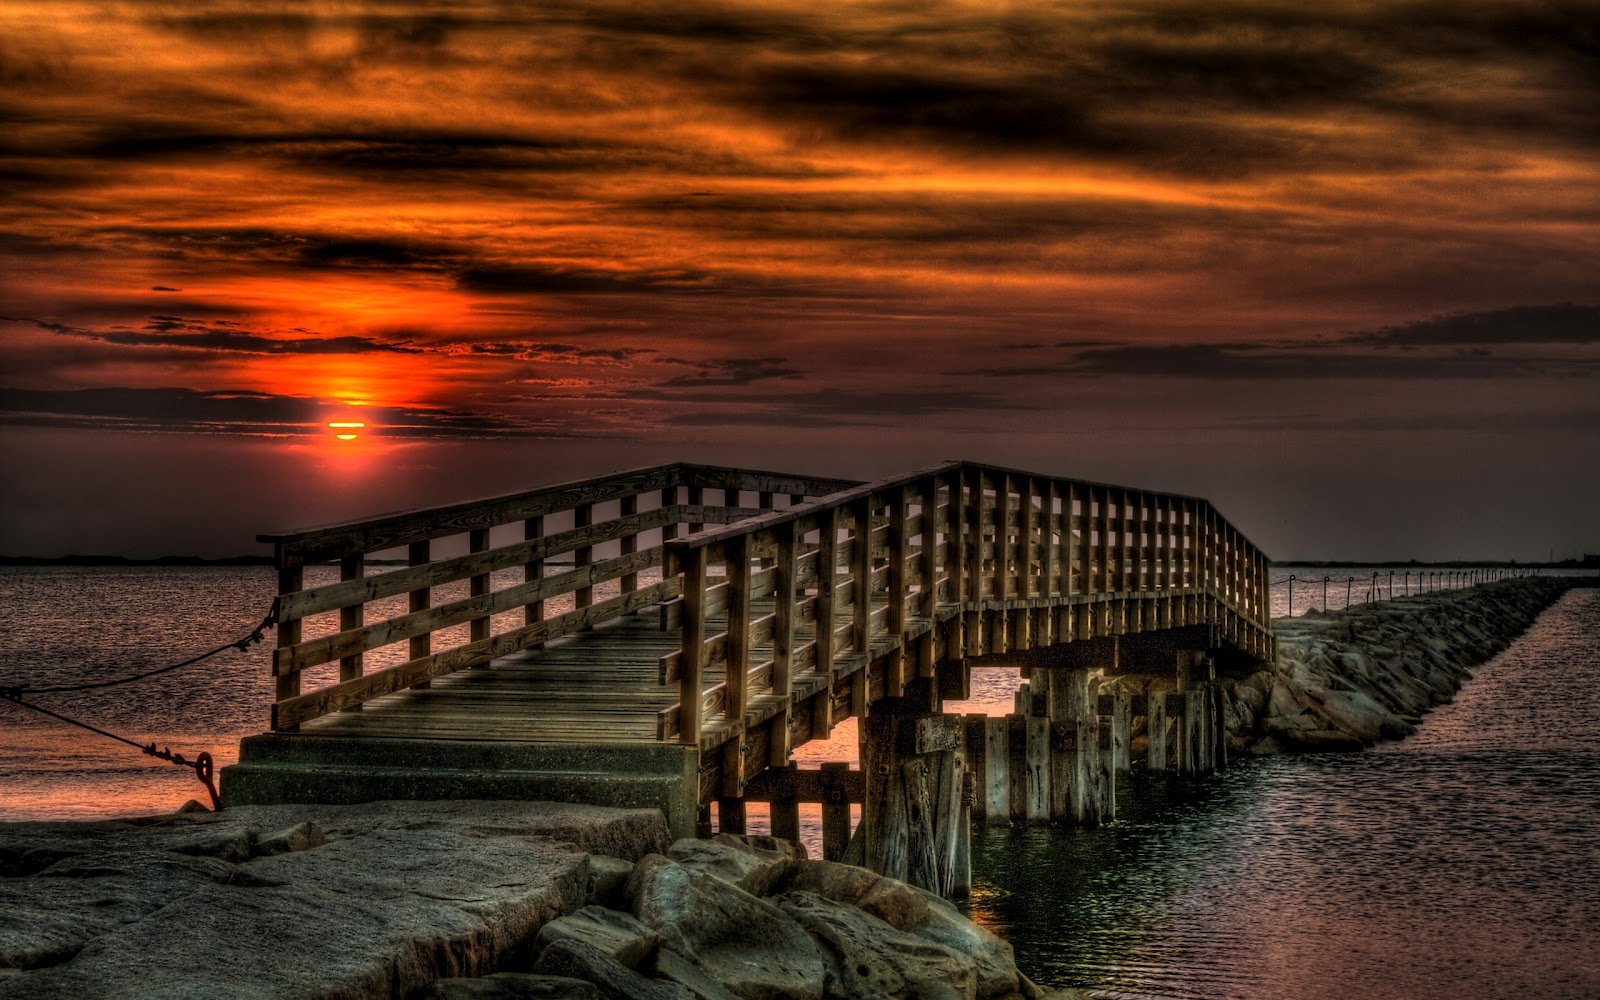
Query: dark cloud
(243, 413)
(1461, 345)
(217, 335)
(734, 371)
(164, 288)
(529, 279)
(557, 353)
(831, 407)
(1566, 323)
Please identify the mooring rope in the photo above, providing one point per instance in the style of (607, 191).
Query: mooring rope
(202, 763)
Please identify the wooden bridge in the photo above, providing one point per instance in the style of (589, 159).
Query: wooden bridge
(623, 640)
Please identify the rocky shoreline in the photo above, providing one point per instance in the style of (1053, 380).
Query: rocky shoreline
(458, 900)
(1353, 678)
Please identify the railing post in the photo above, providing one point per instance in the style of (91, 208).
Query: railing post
(898, 582)
(785, 591)
(1054, 573)
(977, 587)
(628, 506)
(420, 600)
(861, 572)
(291, 579)
(928, 563)
(899, 550)
(955, 532)
(582, 517)
(1134, 508)
(827, 581)
(1107, 584)
(669, 498)
(532, 571)
(928, 570)
(478, 586)
(696, 498)
(351, 616)
(737, 681)
(1082, 578)
(1002, 537)
(1152, 516)
(690, 683)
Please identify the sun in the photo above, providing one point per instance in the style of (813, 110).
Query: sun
(346, 428)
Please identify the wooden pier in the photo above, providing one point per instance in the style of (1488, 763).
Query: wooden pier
(667, 637)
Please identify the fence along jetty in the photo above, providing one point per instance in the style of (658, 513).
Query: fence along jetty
(674, 633)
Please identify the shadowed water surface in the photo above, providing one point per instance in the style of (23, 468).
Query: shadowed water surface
(1462, 863)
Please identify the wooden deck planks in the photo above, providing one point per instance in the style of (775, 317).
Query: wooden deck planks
(597, 686)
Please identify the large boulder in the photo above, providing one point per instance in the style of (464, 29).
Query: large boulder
(914, 911)
(514, 986)
(870, 960)
(749, 945)
(734, 859)
(619, 935)
(615, 981)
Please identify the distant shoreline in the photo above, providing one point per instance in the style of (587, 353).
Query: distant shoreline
(127, 561)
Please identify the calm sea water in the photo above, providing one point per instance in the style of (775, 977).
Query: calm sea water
(1463, 862)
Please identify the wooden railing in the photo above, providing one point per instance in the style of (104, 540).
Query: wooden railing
(789, 602)
(479, 580)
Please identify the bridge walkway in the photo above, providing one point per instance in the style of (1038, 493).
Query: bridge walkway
(621, 639)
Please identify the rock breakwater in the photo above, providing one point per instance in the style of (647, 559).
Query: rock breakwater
(1352, 678)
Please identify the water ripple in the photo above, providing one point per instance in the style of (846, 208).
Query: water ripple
(1462, 863)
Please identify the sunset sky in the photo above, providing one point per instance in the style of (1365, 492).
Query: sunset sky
(1335, 266)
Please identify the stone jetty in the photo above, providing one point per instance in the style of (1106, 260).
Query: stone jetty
(457, 900)
(1350, 679)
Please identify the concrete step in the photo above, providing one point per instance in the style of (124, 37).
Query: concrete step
(278, 768)
(309, 748)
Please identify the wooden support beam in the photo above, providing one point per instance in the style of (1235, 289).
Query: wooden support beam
(835, 811)
(1121, 729)
(784, 807)
(1036, 751)
(730, 815)
(1156, 754)
(996, 779)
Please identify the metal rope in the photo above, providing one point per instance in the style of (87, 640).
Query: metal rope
(201, 765)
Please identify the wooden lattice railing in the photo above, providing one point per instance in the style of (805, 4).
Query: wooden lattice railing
(442, 608)
(1058, 559)
(815, 592)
